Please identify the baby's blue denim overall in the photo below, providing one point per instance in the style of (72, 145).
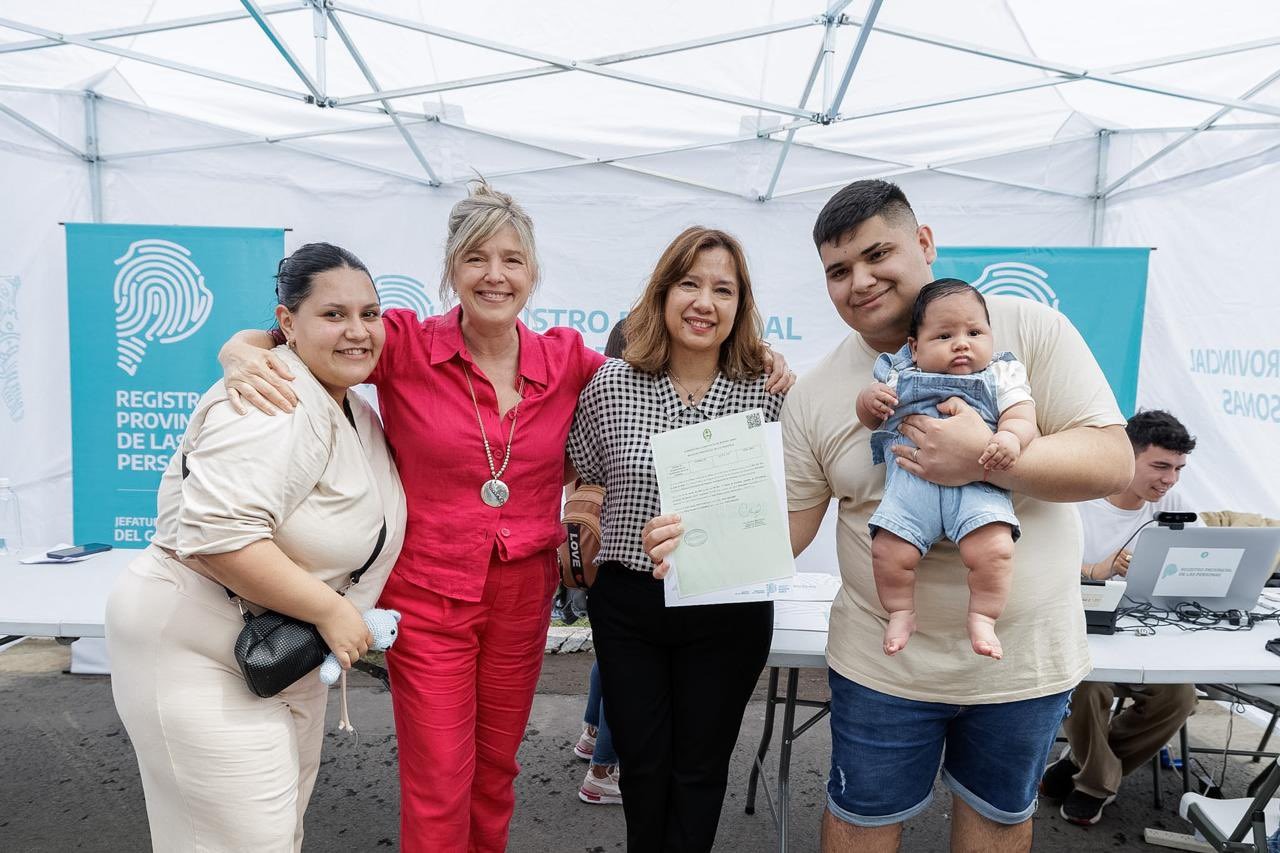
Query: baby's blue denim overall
(914, 509)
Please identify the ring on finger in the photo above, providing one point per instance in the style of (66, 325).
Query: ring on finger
(915, 455)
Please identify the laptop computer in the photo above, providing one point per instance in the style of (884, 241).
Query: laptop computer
(1219, 568)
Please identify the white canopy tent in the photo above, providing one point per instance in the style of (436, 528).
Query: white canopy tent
(1008, 123)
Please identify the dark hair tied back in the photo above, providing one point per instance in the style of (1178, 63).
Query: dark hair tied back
(296, 273)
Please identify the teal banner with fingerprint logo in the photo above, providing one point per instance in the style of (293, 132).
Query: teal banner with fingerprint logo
(148, 307)
(1102, 291)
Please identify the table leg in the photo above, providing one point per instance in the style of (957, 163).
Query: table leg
(771, 700)
(784, 757)
(1186, 759)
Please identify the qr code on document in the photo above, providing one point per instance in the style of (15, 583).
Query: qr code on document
(753, 420)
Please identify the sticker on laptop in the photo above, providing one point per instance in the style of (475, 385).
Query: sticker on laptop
(1198, 572)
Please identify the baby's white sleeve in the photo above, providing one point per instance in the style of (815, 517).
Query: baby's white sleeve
(1012, 386)
(892, 380)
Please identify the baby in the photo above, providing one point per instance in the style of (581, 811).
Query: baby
(949, 353)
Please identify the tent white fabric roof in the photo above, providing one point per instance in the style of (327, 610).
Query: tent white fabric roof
(760, 100)
(1008, 122)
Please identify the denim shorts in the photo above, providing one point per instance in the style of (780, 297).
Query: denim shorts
(922, 512)
(885, 753)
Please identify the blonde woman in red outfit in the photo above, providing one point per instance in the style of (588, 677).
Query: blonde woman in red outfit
(477, 408)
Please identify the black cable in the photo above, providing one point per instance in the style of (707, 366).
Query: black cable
(1189, 616)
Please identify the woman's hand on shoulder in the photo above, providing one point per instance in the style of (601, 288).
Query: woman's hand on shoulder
(780, 377)
(660, 537)
(256, 376)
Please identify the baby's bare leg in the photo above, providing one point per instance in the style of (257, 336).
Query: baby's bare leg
(988, 555)
(893, 562)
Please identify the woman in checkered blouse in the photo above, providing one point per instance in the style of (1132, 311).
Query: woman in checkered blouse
(676, 681)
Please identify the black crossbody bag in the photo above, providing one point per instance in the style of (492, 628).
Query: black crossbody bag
(273, 650)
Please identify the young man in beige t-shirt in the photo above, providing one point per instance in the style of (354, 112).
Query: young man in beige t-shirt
(893, 716)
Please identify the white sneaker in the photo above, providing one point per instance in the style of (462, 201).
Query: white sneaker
(586, 745)
(602, 791)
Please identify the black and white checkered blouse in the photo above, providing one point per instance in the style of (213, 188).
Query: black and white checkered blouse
(609, 443)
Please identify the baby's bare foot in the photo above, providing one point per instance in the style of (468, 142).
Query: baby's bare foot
(982, 634)
(902, 624)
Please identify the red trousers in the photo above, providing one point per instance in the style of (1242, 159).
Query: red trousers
(463, 676)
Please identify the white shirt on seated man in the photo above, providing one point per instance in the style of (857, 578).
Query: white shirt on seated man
(1104, 749)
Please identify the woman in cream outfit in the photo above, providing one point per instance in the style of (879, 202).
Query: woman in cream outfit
(278, 510)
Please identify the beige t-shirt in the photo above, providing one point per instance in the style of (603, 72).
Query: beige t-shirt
(305, 480)
(828, 455)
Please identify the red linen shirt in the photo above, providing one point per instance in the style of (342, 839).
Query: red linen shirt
(430, 423)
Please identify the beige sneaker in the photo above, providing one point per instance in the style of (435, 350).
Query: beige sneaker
(602, 791)
(586, 745)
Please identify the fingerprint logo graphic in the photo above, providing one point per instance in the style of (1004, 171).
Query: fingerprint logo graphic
(403, 291)
(1013, 278)
(10, 381)
(160, 296)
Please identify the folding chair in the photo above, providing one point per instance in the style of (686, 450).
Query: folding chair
(1240, 825)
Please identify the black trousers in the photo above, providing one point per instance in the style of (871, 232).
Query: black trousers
(676, 682)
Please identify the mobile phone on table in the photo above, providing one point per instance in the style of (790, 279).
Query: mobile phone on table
(78, 551)
(1273, 646)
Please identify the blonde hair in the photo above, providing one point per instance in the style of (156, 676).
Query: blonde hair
(648, 341)
(483, 213)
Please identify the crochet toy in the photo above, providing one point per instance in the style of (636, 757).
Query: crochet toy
(382, 625)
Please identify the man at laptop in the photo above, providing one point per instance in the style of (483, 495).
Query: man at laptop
(1104, 749)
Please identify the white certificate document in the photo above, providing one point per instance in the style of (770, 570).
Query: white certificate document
(724, 478)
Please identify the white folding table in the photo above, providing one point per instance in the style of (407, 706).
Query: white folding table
(1167, 656)
(58, 599)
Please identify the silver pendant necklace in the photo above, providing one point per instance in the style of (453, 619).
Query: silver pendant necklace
(494, 492)
(690, 394)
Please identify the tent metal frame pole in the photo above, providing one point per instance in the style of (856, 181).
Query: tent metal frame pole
(1028, 85)
(1219, 127)
(281, 141)
(864, 33)
(608, 161)
(1210, 53)
(567, 64)
(256, 140)
(317, 93)
(910, 106)
(955, 173)
(947, 167)
(611, 59)
(825, 50)
(652, 173)
(320, 32)
(350, 45)
(356, 164)
(835, 14)
(1257, 155)
(155, 60)
(47, 135)
(1100, 76)
(1191, 134)
(146, 29)
(91, 153)
(1100, 190)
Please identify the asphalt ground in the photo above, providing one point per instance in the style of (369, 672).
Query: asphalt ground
(69, 781)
